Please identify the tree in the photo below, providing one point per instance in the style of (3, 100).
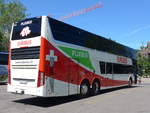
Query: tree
(144, 65)
(10, 12)
(3, 41)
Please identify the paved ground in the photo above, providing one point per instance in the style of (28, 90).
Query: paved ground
(122, 100)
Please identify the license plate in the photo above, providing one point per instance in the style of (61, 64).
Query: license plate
(23, 82)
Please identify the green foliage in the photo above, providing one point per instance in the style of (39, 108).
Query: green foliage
(144, 64)
(3, 42)
(10, 12)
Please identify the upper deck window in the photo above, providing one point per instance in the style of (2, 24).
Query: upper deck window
(66, 33)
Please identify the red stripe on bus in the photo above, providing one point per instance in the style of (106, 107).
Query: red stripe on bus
(67, 70)
(9, 59)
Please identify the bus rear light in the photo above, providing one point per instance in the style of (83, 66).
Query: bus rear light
(9, 77)
(41, 79)
(9, 59)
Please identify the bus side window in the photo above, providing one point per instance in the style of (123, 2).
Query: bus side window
(109, 68)
(102, 67)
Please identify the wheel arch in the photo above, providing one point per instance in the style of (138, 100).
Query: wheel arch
(85, 80)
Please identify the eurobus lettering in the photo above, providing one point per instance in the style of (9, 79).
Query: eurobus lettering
(50, 58)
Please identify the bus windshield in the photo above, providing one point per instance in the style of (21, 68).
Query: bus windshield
(27, 28)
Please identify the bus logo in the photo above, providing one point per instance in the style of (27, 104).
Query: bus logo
(26, 23)
(52, 58)
(25, 31)
(122, 60)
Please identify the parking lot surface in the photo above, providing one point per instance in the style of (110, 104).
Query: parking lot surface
(120, 100)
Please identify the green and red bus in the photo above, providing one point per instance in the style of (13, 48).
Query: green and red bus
(48, 57)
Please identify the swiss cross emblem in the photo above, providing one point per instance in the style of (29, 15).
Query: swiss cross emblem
(25, 31)
(51, 58)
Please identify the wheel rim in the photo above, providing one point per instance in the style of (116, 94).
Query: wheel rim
(96, 87)
(84, 89)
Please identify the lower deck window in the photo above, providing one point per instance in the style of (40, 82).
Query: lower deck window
(113, 68)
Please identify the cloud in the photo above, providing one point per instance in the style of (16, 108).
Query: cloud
(135, 31)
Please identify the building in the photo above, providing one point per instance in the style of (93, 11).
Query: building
(145, 51)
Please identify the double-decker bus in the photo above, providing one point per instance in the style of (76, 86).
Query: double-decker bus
(50, 58)
(3, 67)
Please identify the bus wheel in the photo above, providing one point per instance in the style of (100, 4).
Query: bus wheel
(95, 87)
(84, 89)
(130, 83)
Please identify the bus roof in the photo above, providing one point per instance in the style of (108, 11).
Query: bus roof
(71, 34)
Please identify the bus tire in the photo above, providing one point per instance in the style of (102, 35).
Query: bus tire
(95, 87)
(130, 82)
(84, 88)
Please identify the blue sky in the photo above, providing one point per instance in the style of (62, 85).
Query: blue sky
(125, 21)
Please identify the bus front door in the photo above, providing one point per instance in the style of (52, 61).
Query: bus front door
(109, 74)
(65, 78)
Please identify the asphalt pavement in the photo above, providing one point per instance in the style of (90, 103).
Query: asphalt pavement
(119, 100)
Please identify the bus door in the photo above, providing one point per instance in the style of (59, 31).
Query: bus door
(73, 77)
(59, 72)
(64, 77)
(105, 69)
(109, 74)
